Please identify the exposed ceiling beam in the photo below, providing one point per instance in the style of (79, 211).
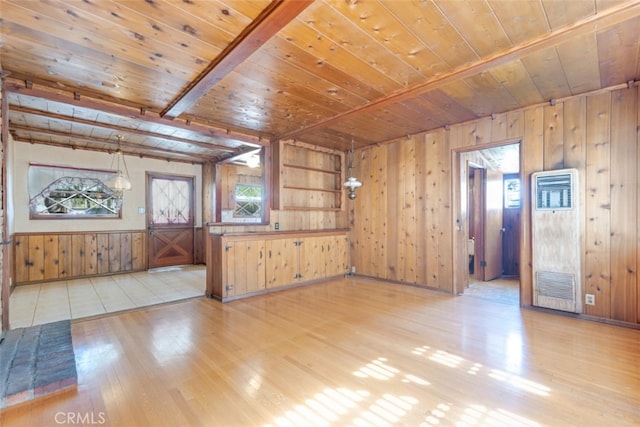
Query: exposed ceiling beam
(270, 21)
(116, 144)
(598, 22)
(65, 97)
(113, 127)
(77, 147)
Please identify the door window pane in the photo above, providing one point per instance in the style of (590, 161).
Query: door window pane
(171, 201)
(512, 193)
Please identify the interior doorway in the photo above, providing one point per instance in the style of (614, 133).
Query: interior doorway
(490, 214)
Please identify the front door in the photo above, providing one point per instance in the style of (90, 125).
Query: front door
(170, 220)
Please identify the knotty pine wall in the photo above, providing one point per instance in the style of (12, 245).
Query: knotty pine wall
(404, 220)
(40, 257)
(234, 174)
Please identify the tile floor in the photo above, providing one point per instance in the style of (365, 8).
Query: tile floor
(38, 304)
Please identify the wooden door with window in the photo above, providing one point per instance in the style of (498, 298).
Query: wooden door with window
(170, 220)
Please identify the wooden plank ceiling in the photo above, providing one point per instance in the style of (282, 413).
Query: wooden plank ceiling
(204, 80)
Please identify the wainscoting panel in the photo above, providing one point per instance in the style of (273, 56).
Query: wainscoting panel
(42, 257)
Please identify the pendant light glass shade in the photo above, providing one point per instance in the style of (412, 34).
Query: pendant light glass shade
(352, 182)
(121, 181)
(253, 161)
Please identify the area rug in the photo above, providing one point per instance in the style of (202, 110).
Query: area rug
(36, 361)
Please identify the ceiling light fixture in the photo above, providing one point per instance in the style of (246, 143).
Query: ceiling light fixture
(253, 161)
(352, 183)
(121, 181)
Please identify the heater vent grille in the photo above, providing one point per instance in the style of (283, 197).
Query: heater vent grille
(556, 285)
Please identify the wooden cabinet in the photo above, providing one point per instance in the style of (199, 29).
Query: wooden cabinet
(244, 267)
(307, 177)
(324, 256)
(283, 262)
(243, 264)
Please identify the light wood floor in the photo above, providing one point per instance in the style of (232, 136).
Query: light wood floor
(505, 290)
(351, 351)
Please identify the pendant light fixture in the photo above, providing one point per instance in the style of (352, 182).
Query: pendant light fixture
(352, 183)
(253, 161)
(121, 181)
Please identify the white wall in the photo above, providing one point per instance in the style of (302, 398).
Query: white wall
(11, 147)
(24, 153)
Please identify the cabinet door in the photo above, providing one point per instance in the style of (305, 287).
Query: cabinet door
(324, 256)
(282, 262)
(245, 267)
(337, 255)
(313, 258)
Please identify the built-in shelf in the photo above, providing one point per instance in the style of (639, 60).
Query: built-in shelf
(307, 168)
(326, 190)
(298, 208)
(308, 178)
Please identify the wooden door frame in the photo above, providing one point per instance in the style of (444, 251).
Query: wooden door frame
(459, 232)
(6, 253)
(148, 202)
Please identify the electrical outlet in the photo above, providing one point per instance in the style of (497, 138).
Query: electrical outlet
(276, 226)
(353, 269)
(590, 299)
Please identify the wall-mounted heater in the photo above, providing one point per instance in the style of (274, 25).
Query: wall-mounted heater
(556, 240)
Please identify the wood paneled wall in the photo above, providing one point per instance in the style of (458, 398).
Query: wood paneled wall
(405, 218)
(401, 226)
(53, 256)
(233, 174)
